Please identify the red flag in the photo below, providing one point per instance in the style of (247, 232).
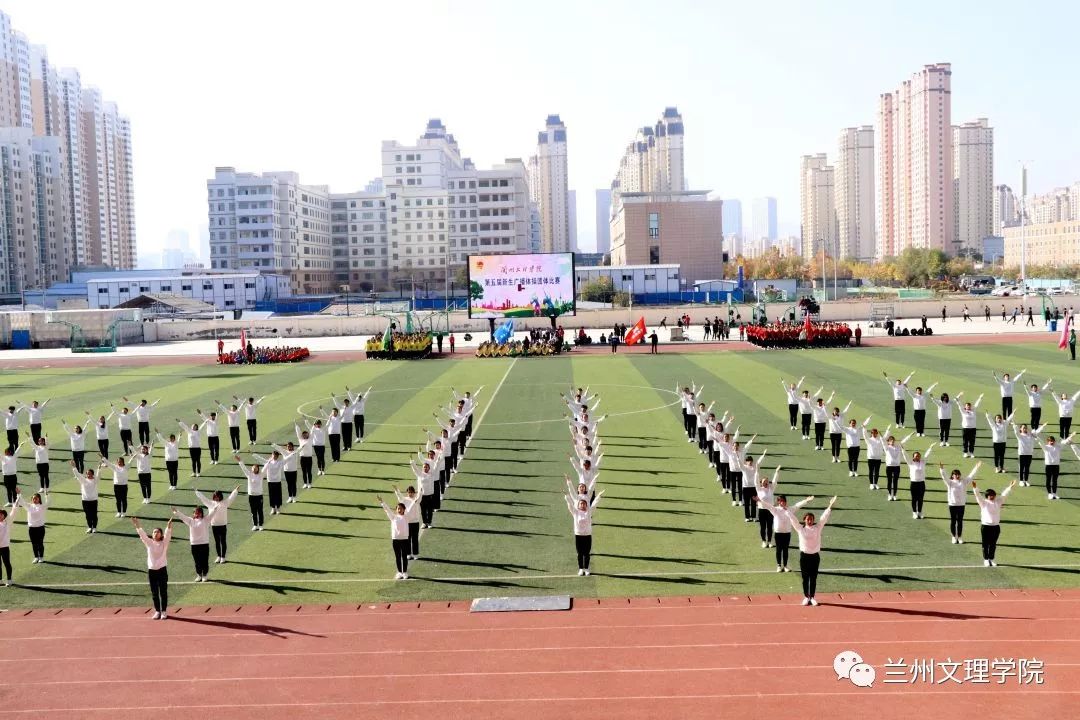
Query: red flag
(809, 327)
(1063, 341)
(243, 340)
(637, 333)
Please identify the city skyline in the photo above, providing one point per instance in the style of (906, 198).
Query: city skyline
(744, 154)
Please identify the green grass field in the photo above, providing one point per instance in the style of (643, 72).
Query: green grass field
(662, 528)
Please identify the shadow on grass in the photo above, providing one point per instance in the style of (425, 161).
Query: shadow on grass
(113, 569)
(666, 579)
(909, 612)
(317, 533)
(852, 551)
(80, 592)
(491, 514)
(483, 583)
(270, 587)
(884, 577)
(290, 568)
(653, 558)
(511, 567)
(664, 511)
(657, 528)
(499, 533)
(281, 633)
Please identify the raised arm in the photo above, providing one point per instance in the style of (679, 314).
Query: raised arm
(978, 400)
(928, 451)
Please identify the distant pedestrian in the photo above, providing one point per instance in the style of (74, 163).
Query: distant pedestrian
(614, 341)
(220, 351)
(438, 340)
(986, 311)
(924, 319)
(942, 313)
(451, 343)
(1072, 342)
(858, 336)
(654, 340)
(967, 314)
(663, 323)
(1003, 312)
(1030, 318)
(1015, 312)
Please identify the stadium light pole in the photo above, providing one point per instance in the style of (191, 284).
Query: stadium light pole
(824, 292)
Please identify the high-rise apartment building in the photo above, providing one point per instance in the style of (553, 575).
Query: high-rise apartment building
(973, 184)
(818, 206)
(1006, 209)
(914, 180)
(603, 221)
(82, 149)
(549, 187)
(733, 220)
(854, 190)
(270, 223)
(763, 219)
(654, 161)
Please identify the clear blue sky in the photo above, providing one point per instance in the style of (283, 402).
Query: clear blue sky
(315, 86)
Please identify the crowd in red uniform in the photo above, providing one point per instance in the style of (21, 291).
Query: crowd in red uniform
(263, 355)
(798, 335)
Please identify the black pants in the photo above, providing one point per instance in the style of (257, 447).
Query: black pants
(234, 438)
(346, 435)
(221, 539)
(12, 439)
(335, 447)
(159, 587)
(144, 485)
(120, 493)
(584, 550)
(414, 539)
(196, 460)
(305, 469)
(1025, 468)
(251, 426)
(900, 411)
(78, 456)
(918, 492)
(103, 447)
(819, 435)
(1036, 417)
(999, 455)
(436, 499)
(748, 494)
(701, 435)
(834, 443)
(723, 473)
(290, 483)
(11, 482)
(686, 423)
(943, 430)
(1006, 406)
(427, 508)
(43, 475)
(358, 422)
(793, 413)
(967, 436)
(255, 502)
(808, 566)
(1066, 426)
(320, 457)
(806, 424)
(874, 470)
(401, 554)
(125, 440)
(956, 520)
(37, 540)
(274, 489)
(990, 535)
(89, 508)
(1052, 472)
(144, 433)
(5, 560)
(765, 524)
(920, 421)
(443, 480)
(853, 458)
(35, 432)
(201, 555)
(172, 467)
(892, 479)
(214, 443)
(783, 542)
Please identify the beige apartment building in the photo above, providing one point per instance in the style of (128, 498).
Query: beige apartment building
(973, 184)
(1052, 243)
(549, 187)
(818, 205)
(670, 228)
(854, 193)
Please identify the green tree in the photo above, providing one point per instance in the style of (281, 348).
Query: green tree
(598, 290)
(476, 291)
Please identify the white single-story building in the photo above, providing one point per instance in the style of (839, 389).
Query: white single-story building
(235, 291)
(639, 279)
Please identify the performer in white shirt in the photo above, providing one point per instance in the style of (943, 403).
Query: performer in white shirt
(1006, 385)
(782, 528)
(34, 411)
(77, 441)
(232, 413)
(944, 414)
(359, 401)
(194, 441)
(899, 390)
(1066, 404)
(213, 440)
(345, 409)
(918, 406)
(875, 453)
(143, 467)
(990, 512)
(303, 438)
(101, 431)
(273, 468)
(1034, 394)
(10, 471)
(6, 519)
(255, 476)
(41, 459)
(36, 512)
(999, 435)
(88, 491)
(124, 419)
(11, 424)
(250, 416)
(218, 512)
(199, 539)
(582, 513)
(836, 430)
(791, 390)
(291, 458)
(318, 445)
(172, 458)
(142, 414)
(1052, 463)
(411, 500)
(1025, 448)
(120, 483)
(809, 531)
(969, 423)
(956, 489)
(821, 419)
(806, 411)
(852, 435)
(157, 550)
(399, 537)
(917, 477)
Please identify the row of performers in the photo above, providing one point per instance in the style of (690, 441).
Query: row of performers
(797, 335)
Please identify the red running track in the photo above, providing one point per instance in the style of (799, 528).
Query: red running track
(697, 657)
